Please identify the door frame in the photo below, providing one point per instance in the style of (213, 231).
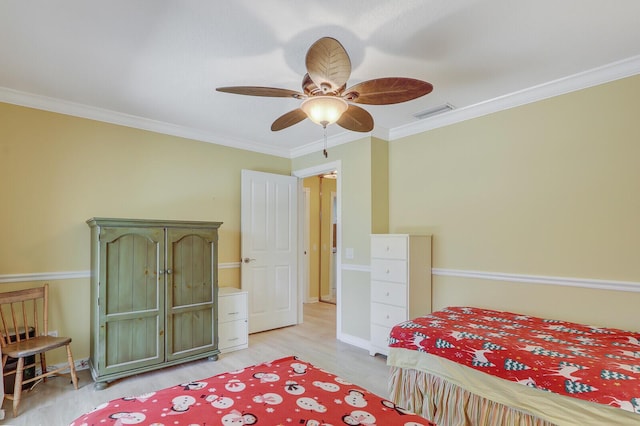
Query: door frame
(301, 174)
(306, 248)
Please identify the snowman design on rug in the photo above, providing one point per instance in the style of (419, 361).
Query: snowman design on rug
(316, 423)
(358, 418)
(220, 402)
(236, 418)
(299, 368)
(329, 387)
(193, 385)
(293, 388)
(267, 377)
(182, 403)
(356, 399)
(235, 385)
(311, 404)
(268, 399)
(128, 418)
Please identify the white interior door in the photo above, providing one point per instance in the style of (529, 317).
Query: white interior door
(269, 249)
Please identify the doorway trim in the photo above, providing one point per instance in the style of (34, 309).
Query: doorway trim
(301, 174)
(306, 249)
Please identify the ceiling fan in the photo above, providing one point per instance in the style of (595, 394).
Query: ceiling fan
(325, 98)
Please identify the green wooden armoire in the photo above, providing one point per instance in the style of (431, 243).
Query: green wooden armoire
(154, 292)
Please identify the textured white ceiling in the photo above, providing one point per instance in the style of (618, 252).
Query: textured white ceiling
(156, 63)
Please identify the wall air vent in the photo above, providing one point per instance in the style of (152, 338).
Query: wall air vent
(433, 111)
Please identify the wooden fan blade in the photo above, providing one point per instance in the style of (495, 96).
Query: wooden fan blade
(262, 91)
(328, 65)
(385, 91)
(356, 119)
(288, 119)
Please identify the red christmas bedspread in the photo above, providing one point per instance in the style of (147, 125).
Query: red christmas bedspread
(286, 391)
(595, 364)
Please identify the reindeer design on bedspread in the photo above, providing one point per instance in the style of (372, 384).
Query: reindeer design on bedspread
(591, 363)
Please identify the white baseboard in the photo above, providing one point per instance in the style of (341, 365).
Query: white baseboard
(81, 364)
(355, 341)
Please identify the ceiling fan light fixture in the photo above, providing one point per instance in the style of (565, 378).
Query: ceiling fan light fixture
(324, 110)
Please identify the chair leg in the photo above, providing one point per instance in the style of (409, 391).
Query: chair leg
(72, 367)
(43, 365)
(4, 362)
(17, 386)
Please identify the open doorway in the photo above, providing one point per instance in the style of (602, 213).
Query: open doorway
(321, 236)
(312, 289)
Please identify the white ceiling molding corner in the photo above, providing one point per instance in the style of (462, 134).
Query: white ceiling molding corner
(583, 80)
(59, 106)
(332, 141)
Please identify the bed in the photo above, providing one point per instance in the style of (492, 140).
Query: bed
(286, 391)
(472, 366)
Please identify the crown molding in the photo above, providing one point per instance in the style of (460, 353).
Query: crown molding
(75, 109)
(604, 74)
(332, 141)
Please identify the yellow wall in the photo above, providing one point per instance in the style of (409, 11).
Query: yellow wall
(57, 171)
(355, 158)
(355, 181)
(546, 189)
(379, 186)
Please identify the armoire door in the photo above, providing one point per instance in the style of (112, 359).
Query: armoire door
(191, 291)
(131, 298)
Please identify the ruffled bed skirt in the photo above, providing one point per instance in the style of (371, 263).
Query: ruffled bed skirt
(447, 404)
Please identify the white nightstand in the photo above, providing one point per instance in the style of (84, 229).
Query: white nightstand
(233, 327)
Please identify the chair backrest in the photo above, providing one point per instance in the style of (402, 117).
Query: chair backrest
(23, 314)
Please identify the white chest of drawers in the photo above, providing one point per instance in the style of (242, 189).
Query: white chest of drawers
(232, 319)
(400, 283)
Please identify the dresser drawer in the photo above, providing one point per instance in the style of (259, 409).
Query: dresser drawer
(232, 307)
(387, 315)
(233, 333)
(380, 338)
(389, 247)
(389, 270)
(389, 293)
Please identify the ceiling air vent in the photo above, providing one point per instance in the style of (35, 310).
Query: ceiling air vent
(433, 111)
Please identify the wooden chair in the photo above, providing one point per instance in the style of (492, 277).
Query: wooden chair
(24, 333)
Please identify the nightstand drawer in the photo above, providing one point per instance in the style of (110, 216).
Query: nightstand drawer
(380, 338)
(232, 334)
(389, 270)
(387, 315)
(389, 247)
(232, 307)
(389, 293)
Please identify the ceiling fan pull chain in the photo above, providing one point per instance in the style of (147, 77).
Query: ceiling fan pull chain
(324, 151)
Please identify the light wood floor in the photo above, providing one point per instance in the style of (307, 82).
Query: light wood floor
(57, 403)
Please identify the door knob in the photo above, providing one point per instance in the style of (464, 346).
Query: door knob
(247, 260)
